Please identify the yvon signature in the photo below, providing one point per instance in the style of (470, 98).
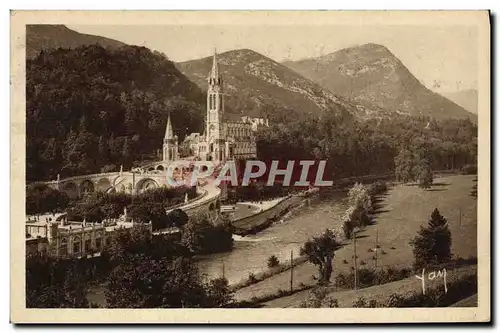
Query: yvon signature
(431, 276)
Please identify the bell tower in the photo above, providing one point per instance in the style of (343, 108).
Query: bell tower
(215, 110)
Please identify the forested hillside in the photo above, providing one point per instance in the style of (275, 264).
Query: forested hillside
(90, 109)
(371, 147)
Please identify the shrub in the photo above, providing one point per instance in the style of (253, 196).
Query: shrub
(378, 187)
(272, 261)
(251, 278)
(360, 302)
(425, 178)
(469, 169)
(331, 302)
(348, 229)
(368, 277)
(315, 298)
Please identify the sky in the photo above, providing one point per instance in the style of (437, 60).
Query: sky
(443, 58)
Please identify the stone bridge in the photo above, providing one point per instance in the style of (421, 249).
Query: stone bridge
(128, 182)
(206, 203)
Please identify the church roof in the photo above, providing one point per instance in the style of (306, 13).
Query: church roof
(169, 133)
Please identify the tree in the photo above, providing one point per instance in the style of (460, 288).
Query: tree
(177, 218)
(41, 198)
(272, 261)
(201, 237)
(425, 177)
(142, 281)
(432, 245)
(320, 251)
(52, 283)
(103, 148)
(219, 293)
(405, 166)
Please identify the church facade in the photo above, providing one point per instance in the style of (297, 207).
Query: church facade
(222, 139)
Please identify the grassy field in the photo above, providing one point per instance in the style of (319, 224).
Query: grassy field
(381, 292)
(401, 212)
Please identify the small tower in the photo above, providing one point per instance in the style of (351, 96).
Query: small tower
(215, 109)
(170, 143)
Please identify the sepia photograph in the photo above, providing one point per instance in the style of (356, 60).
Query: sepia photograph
(173, 163)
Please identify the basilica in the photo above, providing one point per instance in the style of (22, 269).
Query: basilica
(222, 139)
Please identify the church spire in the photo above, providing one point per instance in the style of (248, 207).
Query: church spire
(215, 66)
(169, 133)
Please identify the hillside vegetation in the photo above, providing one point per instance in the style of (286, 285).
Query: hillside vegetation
(90, 109)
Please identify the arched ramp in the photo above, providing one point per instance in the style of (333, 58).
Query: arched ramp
(87, 187)
(71, 190)
(103, 184)
(146, 184)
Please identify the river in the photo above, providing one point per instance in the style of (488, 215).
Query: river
(250, 253)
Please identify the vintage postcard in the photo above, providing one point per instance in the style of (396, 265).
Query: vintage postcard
(250, 167)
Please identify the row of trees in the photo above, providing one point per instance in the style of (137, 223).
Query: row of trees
(41, 198)
(148, 206)
(320, 250)
(355, 148)
(414, 166)
(257, 191)
(360, 200)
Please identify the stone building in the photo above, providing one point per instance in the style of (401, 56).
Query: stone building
(66, 239)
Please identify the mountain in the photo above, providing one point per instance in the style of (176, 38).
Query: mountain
(465, 98)
(261, 87)
(371, 75)
(46, 37)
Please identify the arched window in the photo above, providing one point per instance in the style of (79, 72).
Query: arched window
(63, 247)
(77, 245)
(88, 243)
(98, 241)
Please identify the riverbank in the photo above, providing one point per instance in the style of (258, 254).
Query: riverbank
(269, 213)
(402, 210)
